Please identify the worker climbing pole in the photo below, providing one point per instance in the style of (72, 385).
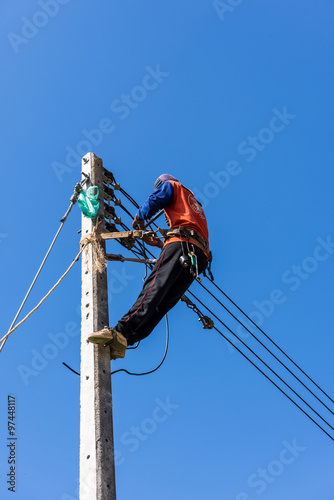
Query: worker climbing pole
(184, 255)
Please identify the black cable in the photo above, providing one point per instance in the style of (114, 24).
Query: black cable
(258, 357)
(129, 197)
(133, 202)
(143, 249)
(279, 388)
(143, 252)
(77, 373)
(139, 252)
(267, 336)
(135, 347)
(265, 347)
(155, 369)
(261, 371)
(126, 211)
(141, 246)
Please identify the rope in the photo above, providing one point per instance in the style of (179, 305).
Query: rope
(99, 258)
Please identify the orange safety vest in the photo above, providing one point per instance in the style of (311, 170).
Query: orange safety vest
(187, 212)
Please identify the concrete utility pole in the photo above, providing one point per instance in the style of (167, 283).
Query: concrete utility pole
(97, 467)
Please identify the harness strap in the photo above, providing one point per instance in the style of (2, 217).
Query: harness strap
(191, 235)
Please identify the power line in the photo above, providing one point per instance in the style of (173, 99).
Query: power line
(274, 343)
(259, 369)
(273, 371)
(267, 349)
(129, 197)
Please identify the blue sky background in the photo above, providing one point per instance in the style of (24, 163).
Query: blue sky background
(226, 72)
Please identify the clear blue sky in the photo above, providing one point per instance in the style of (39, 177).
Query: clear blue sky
(235, 99)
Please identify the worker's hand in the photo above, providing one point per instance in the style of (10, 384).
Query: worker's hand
(153, 241)
(138, 224)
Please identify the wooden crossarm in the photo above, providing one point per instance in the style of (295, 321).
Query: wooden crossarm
(121, 234)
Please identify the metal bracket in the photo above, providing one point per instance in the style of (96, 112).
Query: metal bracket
(120, 258)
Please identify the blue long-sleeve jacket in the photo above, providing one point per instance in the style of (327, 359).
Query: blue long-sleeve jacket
(160, 198)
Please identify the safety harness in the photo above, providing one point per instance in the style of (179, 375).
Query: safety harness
(191, 236)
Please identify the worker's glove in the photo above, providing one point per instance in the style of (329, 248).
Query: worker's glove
(138, 224)
(153, 241)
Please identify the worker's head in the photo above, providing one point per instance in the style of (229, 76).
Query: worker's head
(162, 178)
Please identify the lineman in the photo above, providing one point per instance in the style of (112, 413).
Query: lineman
(184, 254)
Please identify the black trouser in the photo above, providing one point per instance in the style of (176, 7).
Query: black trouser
(163, 288)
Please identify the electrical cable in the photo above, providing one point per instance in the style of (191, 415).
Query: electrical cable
(274, 343)
(129, 197)
(140, 244)
(259, 369)
(151, 221)
(74, 199)
(137, 206)
(141, 251)
(267, 349)
(129, 349)
(126, 211)
(74, 371)
(135, 347)
(161, 362)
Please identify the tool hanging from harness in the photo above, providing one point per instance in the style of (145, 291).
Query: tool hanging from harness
(207, 322)
(191, 236)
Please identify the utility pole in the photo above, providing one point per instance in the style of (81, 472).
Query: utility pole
(97, 466)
